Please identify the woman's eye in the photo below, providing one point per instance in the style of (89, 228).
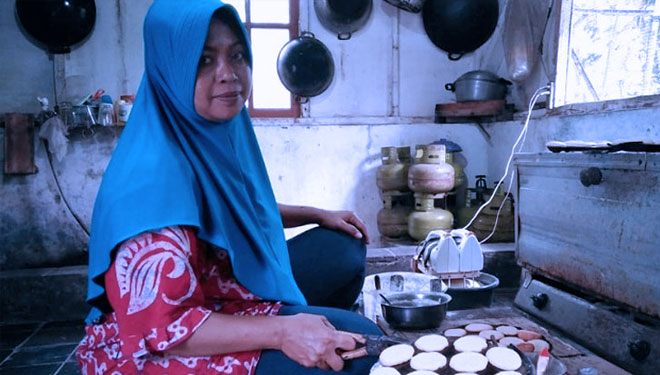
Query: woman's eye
(238, 56)
(205, 60)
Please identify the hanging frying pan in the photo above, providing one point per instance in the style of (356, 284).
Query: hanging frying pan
(343, 17)
(57, 25)
(305, 66)
(459, 26)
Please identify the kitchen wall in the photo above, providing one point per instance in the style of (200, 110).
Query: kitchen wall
(382, 95)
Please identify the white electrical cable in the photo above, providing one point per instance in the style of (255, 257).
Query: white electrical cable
(545, 90)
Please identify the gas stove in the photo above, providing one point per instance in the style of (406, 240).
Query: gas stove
(587, 237)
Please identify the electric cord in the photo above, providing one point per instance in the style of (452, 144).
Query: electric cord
(59, 189)
(545, 90)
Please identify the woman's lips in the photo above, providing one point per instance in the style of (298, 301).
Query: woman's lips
(228, 96)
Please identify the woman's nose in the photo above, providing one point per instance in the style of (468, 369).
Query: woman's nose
(225, 72)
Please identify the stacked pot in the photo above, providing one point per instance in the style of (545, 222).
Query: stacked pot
(392, 180)
(430, 177)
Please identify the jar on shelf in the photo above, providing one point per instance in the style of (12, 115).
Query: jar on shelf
(393, 173)
(430, 174)
(392, 219)
(426, 217)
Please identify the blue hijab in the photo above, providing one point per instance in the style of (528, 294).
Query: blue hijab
(173, 167)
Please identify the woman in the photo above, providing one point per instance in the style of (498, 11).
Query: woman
(189, 269)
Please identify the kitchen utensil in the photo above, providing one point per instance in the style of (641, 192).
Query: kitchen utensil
(459, 26)
(373, 345)
(472, 293)
(542, 362)
(343, 17)
(527, 365)
(414, 6)
(415, 310)
(478, 85)
(57, 24)
(305, 66)
(385, 298)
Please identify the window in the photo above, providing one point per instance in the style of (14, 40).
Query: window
(270, 24)
(608, 49)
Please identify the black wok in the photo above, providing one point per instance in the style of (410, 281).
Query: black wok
(459, 26)
(305, 66)
(56, 25)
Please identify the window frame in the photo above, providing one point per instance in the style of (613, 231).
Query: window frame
(294, 111)
(558, 102)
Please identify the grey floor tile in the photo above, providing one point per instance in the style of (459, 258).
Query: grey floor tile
(56, 335)
(12, 335)
(70, 368)
(30, 370)
(38, 355)
(62, 324)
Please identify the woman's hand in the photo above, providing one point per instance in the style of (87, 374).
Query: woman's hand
(346, 221)
(312, 341)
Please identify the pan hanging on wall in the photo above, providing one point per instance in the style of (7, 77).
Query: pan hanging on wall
(305, 66)
(57, 25)
(343, 17)
(459, 26)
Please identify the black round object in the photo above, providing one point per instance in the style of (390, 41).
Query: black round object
(305, 66)
(459, 26)
(57, 24)
(343, 17)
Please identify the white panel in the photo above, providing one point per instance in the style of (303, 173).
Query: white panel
(270, 11)
(239, 5)
(268, 91)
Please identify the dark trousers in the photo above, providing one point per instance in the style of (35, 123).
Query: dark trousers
(329, 269)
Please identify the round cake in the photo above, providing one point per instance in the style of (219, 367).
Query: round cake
(470, 343)
(431, 343)
(430, 361)
(504, 358)
(385, 371)
(468, 362)
(396, 355)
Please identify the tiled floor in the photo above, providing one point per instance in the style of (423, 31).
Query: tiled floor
(40, 348)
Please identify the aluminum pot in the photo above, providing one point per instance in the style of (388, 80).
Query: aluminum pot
(415, 310)
(478, 85)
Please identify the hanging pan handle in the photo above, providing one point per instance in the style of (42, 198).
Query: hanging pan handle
(454, 56)
(344, 36)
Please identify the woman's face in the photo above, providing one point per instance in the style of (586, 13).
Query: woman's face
(224, 78)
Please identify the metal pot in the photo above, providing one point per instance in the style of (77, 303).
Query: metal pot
(343, 17)
(415, 310)
(305, 66)
(478, 85)
(459, 26)
(414, 6)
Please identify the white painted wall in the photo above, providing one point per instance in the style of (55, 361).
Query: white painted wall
(388, 68)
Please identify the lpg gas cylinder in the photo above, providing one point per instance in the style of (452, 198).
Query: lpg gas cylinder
(426, 217)
(430, 174)
(392, 174)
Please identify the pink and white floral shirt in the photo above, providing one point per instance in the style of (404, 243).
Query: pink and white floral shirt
(162, 285)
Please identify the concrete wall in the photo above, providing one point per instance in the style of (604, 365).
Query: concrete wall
(389, 78)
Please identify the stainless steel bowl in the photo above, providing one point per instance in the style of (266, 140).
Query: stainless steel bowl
(415, 310)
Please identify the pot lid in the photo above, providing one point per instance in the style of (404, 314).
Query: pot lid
(481, 75)
(450, 146)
